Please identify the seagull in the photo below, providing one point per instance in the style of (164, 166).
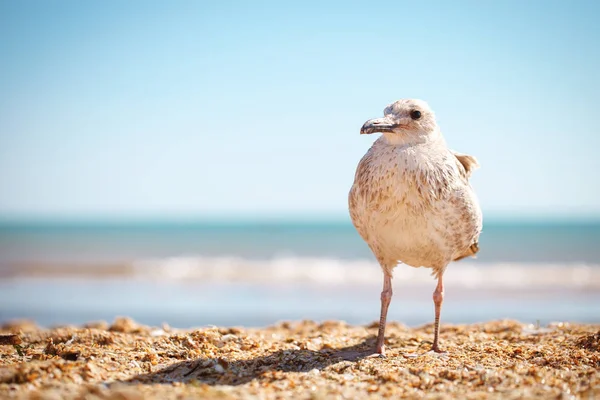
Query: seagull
(411, 201)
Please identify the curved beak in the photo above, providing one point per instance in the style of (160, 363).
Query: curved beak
(378, 125)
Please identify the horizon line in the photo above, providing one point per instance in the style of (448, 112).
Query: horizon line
(262, 217)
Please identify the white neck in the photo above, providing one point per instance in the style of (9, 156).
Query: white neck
(394, 139)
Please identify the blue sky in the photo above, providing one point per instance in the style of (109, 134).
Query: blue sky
(112, 108)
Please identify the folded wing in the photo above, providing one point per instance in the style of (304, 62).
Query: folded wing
(468, 163)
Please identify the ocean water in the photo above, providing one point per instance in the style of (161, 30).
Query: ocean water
(257, 273)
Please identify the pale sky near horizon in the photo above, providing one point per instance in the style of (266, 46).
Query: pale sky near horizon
(194, 108)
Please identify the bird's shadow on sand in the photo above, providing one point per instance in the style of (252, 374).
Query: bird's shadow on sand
(218, 371)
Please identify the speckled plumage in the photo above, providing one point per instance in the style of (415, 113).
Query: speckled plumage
(411, 200)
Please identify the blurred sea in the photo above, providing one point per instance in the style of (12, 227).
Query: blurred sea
(258, 273)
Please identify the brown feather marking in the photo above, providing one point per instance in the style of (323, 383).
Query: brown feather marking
(471, 251)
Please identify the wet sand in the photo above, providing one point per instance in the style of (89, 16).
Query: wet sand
(300, 360)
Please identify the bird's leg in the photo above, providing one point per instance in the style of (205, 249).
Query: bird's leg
(386, 298)
(438, 299)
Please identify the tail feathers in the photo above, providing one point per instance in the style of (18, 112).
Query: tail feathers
(471, 251)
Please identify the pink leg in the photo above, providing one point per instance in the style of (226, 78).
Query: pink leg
(386, 298)
(438, 299)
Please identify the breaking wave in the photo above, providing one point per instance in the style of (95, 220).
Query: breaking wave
(322, 271)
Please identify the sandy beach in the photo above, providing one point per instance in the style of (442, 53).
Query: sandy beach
(305, 359)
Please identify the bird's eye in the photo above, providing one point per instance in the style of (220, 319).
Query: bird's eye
(415, 114)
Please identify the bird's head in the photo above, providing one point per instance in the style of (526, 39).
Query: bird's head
(406, 121)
